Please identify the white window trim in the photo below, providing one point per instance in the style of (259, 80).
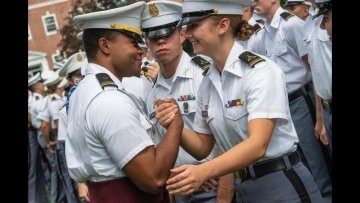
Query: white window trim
(44, 24)
(29, 33)
(53, 57)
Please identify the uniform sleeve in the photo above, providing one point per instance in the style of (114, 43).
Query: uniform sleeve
(54, 110)
(44, 114)
(113, 122)
(295, 35)
(266, 94)
(200, 123)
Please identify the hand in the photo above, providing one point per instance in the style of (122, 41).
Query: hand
(324, 136)
(166, 111)
(83, 192)
(152, 72)
(318, 128)
(209, 185)
(51, 146)
(186, 180)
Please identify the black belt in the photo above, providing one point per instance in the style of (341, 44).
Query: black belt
(298, 93)
(327, 104)
(267, 166)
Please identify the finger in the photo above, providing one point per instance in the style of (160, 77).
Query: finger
(163, 110)
(169, 119)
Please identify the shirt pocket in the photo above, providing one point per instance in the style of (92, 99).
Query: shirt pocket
(280, 49)
(235, 113)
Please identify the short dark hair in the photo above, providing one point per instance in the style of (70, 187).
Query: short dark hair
(91, 39)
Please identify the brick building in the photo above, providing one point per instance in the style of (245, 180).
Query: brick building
(45, 18)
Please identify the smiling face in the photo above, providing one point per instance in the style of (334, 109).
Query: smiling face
(202, 35)
(125, 55)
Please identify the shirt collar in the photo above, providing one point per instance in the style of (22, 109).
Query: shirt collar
(275, 22)
(93, 68)
(232, 64)
(183, 70)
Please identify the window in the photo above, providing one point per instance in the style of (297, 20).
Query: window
(50, 23)
(57, 57)
(29, 33)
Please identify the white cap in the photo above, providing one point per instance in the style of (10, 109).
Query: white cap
(73, 63)
(64, 83)
(126, 18)
(34, 79)
(194, 10)
(158, 17)
(296, 2)
(53, 79)
(46, 75)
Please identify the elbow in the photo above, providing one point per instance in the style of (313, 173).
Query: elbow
(154, 186)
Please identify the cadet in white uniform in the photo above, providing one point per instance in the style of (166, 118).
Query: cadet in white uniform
(321, 50)
(283, 40)
(71, 71)
(242, 105)
(48, 116)
(179, 77)
(110, 137)
(36, 177)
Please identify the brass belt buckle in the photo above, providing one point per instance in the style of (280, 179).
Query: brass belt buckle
(326, 104)
(241, 173)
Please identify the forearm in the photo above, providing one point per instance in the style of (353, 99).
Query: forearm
(45, 131)
(196, 144)
(318, 107)
(226, 189)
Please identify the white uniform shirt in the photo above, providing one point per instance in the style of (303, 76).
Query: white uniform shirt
(54, 107)
(36, 106)
(105, 128)
(263, 90)
(284, 45)
(255, 42)
(138, 86)
(320, 57)
(185, 81)
(44, 113)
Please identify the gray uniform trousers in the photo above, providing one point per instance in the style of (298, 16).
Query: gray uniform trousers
(67, 183)
(199, 196)
(36, 181)
(57, 193)
(275, 187)
(327, 119)
(309, 145)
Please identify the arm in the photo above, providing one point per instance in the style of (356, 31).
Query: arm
(83, 192)
(45, 131)
(188, 178)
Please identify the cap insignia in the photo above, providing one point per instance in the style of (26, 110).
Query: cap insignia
(78, 57)
(153, 10)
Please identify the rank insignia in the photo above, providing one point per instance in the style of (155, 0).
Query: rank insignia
(235, 102)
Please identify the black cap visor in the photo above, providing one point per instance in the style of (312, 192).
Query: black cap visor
(323, 7)
(190, 17)
(160, 31)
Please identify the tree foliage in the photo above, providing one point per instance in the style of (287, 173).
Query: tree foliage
(69, 44)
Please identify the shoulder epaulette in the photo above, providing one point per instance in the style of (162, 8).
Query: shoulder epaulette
(250, 58)
(37, 97)
(257, 28)
(62, 106)
(204, 64)
(286, 15)
(105, 80)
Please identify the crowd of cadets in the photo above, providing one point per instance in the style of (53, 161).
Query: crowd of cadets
(297, 39)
